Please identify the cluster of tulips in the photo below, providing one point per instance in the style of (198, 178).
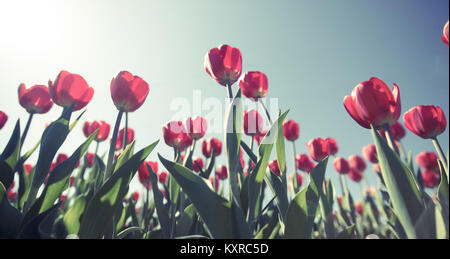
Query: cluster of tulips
(86, 194)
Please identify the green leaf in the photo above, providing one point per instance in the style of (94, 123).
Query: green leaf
(400, 183)
(161, 209)
(9, 157)
(347, 233)
(279, 191)
(303, 208)
(129, 230)
(105, 203)
(10, 217)
(73, 215)
(219, 215)
(186, 221)
(233, 128)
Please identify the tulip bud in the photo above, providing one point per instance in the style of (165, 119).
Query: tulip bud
(222, 172)
(430, 178)
(357, 163)
(273, 166)
(162, 177)
(135, 196)
(444, 36)
(90, 128)
(3, 119)
(426, 121)
(175, 135)
(291, 130)
(121, 137)
(224, 64)
(428, 161)
(253, 123)
(36, 99)
(196, 128)
(144, 174)
(254, 85)
(318, 149)
(206, 148)
(197, 164)
(370, 153)
(355, 175)
(90, 157)
(70, 88)
(341, 165)
(303, 163)
(216, 146)
(333, 147)
(128, 92)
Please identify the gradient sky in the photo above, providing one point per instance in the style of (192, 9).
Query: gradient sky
(313, 52)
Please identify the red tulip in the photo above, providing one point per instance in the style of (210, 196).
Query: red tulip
(339, 199)
(333, 147)
(253, 123)
(28, 168)
(206, 148)
(291, 130)
(370, 153)
(428, 161)
(175, 135)
(197, 164)
(444, 36)
(3, 119)
(121, 136)
(144, 174)
(372, 102)
(222, 172)
(358, 207)
(216, 146)
(341, 165)
(355, 175)
(430, 178)
(36, 99)
(196, 128)
(90, 157)
(318, 149)
(426, 121)
(61, 157)
(254, 85)
(224, 64)
(135, 196)
(259, 137)
(128, 92)
(357, 163)
(90, 128)
(299, 179)
(303, 163)
(162, 177)
(241, 158)
(70, 88)
(72, 181)
(273, 166)
(397, 130)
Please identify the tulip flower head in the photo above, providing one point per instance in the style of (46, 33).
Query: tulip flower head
(91, 127)
(341, 165)
(426, 121)
(357, 163)
(89, 159)
(70, 88)
(430, 178)
(333, 147)
(121, 137)
(253, 123)
(135, 196)
(3, 119)
(196, 127)
(372, 102)
(144, 174)
(216, 146)
(303, 163)
(197, 164)
(370, 153)
(444, 36)
(175, 135)
(428, 161)
(222, 172)
(273, 166)
(355, 175)
(318, 149)
(254, 85)
(36, 99)
(206, 148)
(28, 168)
(224, 64)
(162, 177)
(291, 130)
(128, 92)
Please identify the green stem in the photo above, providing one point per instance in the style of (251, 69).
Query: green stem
(112, 147)
(96, 148)
(294, 180)
(266, 111)
(230, 91)
(27, 127)
(390, 139)
(125, 135)
(441, 154)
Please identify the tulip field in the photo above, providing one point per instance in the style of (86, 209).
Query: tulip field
(259, 193)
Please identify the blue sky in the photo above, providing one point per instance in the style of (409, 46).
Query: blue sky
(313, 52)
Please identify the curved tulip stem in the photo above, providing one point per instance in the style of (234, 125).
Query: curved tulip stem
(390, 139)
(125, 136)
(441, 154)
(266, 111)
(294, 180)
(112, 147)
(27, 127)
(96, 148)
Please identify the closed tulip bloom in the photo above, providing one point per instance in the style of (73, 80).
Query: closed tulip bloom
(196, 128)
(144, 174)
(358, 207)
(70, 88)
(333, 147)
(103, 132)
(273, 166)
(318, 149)
(428, 161)
(135, 196)
(222, 172)
(216, 146)
(341, 165)
(372, 102)
(224, 64)
(303, 163)
(121, 136)
(430, 178)
(36, 99)
(3, 119)
(357, 163)
(254, 85)
(370, 153)
(197, 164)
(259, 137)
(426, 121)
(445, 34)
(175, 135)
(60, 158)
(28, 168)
(128, 92)
(162, 177)
(397, 130)
(253, 123)
(355, 175)
(89, 159)
(291, 130)
(206, 148)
